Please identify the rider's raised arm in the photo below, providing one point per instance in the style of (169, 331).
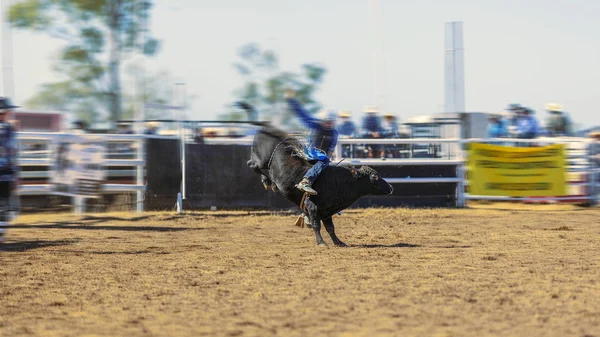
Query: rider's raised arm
(304, 116)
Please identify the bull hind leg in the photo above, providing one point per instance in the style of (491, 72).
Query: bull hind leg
(331, 230)
(315, 222)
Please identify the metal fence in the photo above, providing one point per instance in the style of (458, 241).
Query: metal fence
(124, 152)
(126, 157)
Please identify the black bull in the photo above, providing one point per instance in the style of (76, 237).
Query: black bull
(275, 158)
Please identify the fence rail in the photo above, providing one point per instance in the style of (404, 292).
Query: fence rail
(578, 161)
(41, 158)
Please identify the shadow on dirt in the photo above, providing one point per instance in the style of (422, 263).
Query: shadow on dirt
(91, 226)
(132, 252)
(396, 245)
(113, 218)
(23, 246)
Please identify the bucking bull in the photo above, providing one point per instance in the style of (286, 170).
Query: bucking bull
(278, 159)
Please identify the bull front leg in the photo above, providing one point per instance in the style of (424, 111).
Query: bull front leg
(267, 183)
(315, 221)
(331, 230)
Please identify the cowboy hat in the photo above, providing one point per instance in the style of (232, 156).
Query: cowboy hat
(554, 107)
(6, 104)
(371, 109)
(344, 114)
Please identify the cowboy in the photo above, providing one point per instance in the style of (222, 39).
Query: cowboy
(497, 127)
(372, 129)
(152, 128)
(347, 129)
(558, 123)
(8, 163)
(322, 142)
(124, 128)
(346, 126)
(80, 126)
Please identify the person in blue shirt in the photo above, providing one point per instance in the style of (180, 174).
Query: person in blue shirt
(347, 129)
(8, 163)
(346, 126)
(322, 140)
(372, 128)
(390, 130)
(527, 126)
(497, 127)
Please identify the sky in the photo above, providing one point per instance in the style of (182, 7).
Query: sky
(529, 52)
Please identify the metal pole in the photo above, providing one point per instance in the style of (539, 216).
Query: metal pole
(592, 175)
(139, 206)
(378, 54)
(7, 52)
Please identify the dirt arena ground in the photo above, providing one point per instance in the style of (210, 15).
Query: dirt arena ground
(484, 271)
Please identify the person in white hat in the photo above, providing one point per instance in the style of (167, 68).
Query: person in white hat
(371, 127)
(347, 129)
(558, 122)
(346, 126)
(8, 163)
(322, 141)
(152, 128)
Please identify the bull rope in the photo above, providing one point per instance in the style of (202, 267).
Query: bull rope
(273, 153)
(300, 220)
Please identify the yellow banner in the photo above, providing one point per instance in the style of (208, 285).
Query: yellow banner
(495, 170)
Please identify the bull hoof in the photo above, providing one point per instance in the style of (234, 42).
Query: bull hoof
(322, 245)
(341, 244)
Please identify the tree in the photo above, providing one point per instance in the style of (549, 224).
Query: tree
(157, 89)
(90, 29)
(265, 83)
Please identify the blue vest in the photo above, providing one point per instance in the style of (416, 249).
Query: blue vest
(7, 149)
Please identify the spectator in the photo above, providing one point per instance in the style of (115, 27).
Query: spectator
(497, 127)
(124, 128)
(152, 128)
(346, 126)
(80, 126)
(372, 123)
(390, 130)
(558, 123)
(8, 164)
(199, 136)
(404, 150)
(527, 126)
(210, 133)
(390, 126)
(346, 129)
(513, 111)
(372, 128)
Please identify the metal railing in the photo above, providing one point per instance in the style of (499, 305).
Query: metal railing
(40, 157)
(578, 162)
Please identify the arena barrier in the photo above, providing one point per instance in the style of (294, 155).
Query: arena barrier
(124, 162)
(215, 173)
(581, 172)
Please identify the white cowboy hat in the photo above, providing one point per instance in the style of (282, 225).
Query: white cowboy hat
(371, 109)
(554, 107)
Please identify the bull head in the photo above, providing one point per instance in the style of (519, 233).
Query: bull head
(376, 184)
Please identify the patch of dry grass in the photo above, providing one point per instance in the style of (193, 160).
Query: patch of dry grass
(462, 272)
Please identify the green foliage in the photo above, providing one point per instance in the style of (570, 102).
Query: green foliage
(265, 83)
(91, 29)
